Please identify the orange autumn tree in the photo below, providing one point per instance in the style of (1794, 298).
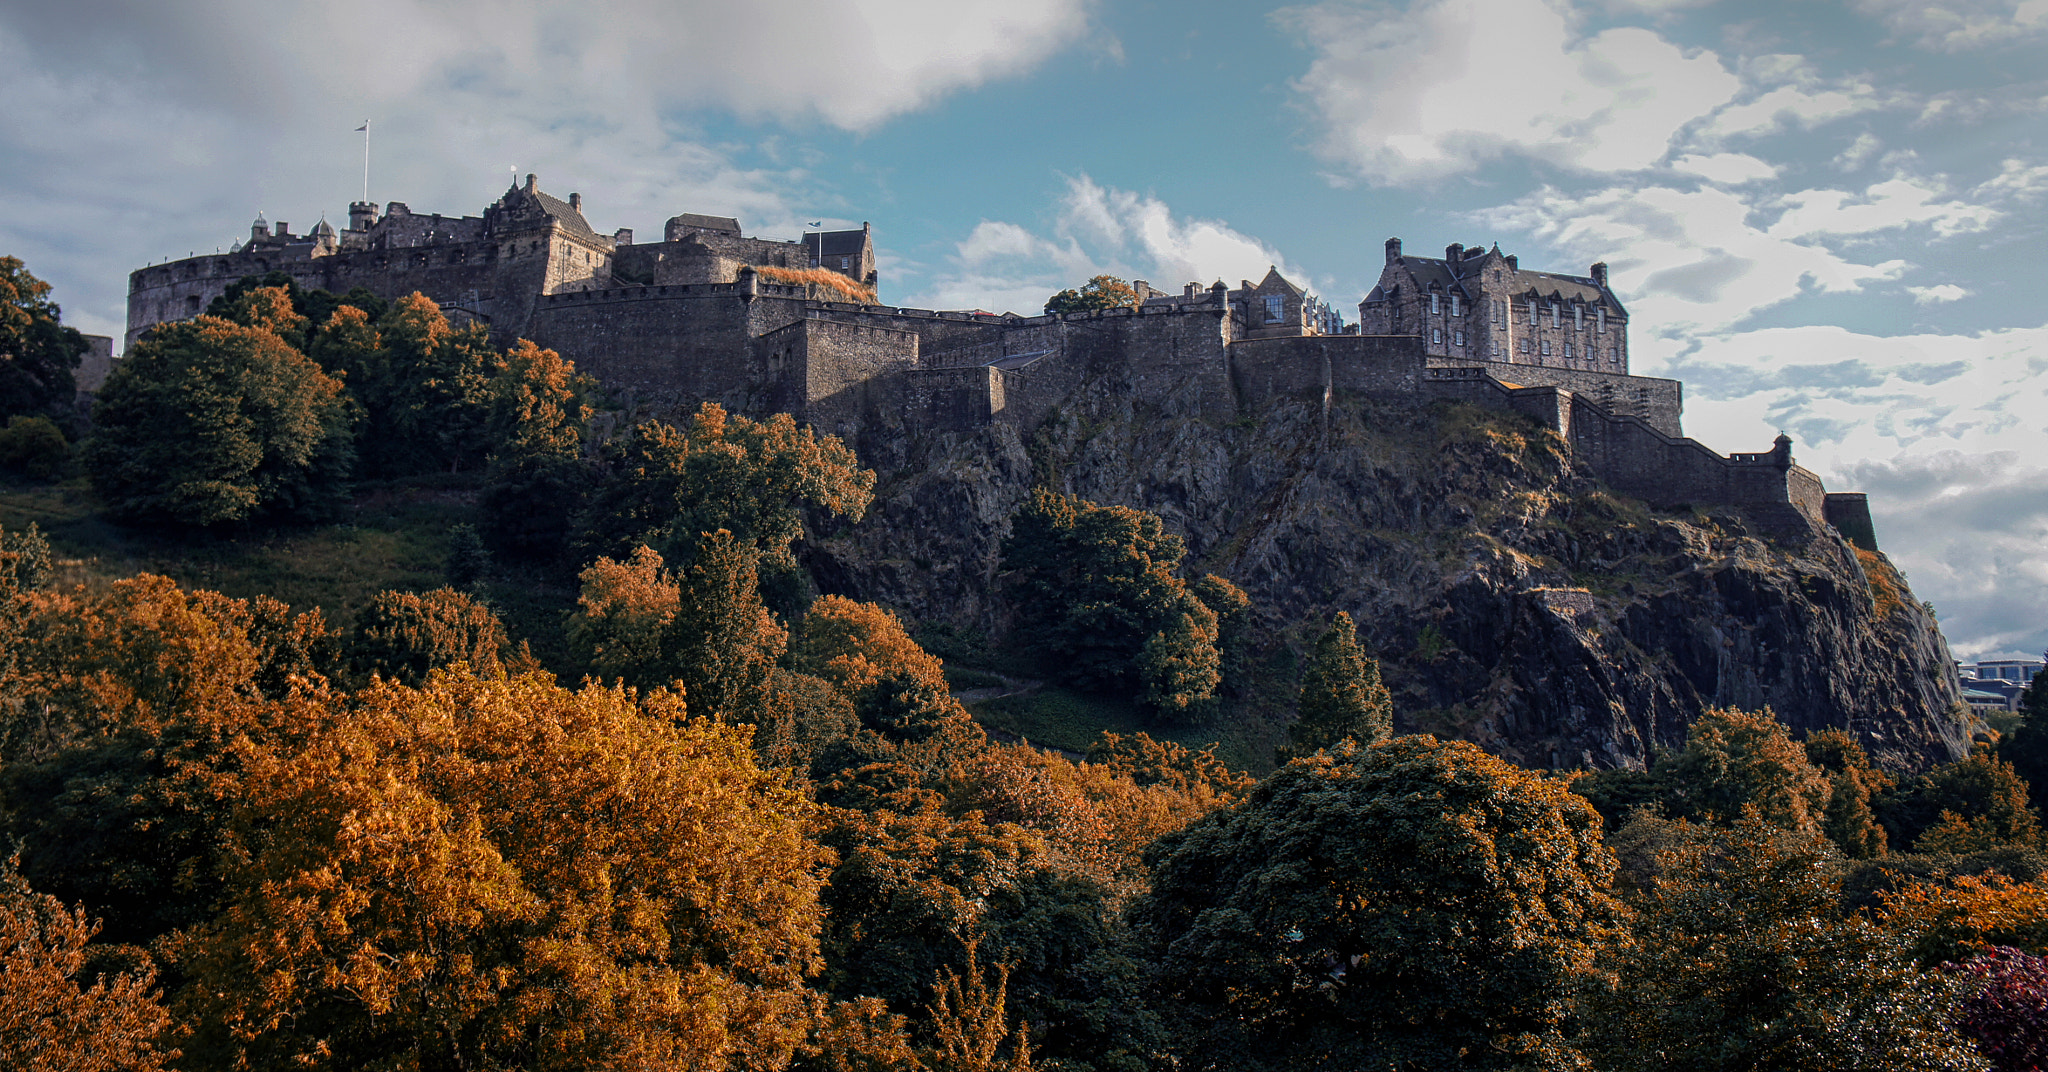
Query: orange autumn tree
(494, 873)
(51, 1018)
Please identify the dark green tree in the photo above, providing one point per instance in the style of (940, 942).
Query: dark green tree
(468, 558)
(1977, 803)
(1233, 610)
(2026, 747)
(32, 446)
(208, 422)
(1180, 666)
(1101, 292)
(538, 481)
(1414, 905)
(1341, 694)
(1092, 585)
(37, 352)
(1745, 957)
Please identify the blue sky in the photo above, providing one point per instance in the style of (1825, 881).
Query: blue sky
(1825, 217)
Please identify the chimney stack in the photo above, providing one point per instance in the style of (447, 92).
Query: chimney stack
(576, 202)
(1600, 274)
(1393, 251)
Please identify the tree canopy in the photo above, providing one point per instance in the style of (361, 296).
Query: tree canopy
(1415, 904)
(1100, 292)
(1099, 605)
(208, 422)
(1341, 694)
(37, 352)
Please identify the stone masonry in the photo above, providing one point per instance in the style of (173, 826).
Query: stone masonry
(690, 319)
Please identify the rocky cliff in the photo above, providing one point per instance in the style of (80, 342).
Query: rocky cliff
(1511, 600)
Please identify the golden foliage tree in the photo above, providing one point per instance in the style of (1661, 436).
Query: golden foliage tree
(51, 1018)
(488, 873)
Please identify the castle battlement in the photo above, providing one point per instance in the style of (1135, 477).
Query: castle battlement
(690, 319)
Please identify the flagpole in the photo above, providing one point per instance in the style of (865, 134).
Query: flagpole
(365, 128)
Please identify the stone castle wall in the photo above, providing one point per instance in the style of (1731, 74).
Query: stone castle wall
(685, 320)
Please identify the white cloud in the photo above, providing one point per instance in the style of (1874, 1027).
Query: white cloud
(1728, 169)
(1860, 152)
(134, 129)
(1451, 85)
(1096, 229)
(2016, 179)
(1958, 25)
(1804, 106)
(1940, 292)
(1943, 432)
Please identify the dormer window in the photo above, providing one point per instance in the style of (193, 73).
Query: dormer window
(1435, 305)
(1455, 310)
(1601, 317)
(1578, 317)
(1556, 316)
(1532, 310)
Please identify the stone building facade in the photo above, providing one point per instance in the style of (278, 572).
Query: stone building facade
(704, 315)
(494, 268)
(1482, 305)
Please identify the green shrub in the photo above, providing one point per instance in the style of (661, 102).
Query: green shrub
(33, 447)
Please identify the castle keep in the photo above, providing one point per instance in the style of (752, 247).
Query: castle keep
(762, 325)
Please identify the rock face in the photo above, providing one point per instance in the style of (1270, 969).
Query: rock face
(1511, 600)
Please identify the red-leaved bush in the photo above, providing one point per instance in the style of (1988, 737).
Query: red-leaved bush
(2007, 1017)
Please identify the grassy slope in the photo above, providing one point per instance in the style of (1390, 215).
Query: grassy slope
(395, 537)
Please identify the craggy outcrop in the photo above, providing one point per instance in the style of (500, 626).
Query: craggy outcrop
(1512, 600)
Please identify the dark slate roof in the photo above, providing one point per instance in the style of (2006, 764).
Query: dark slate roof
(1273, 274)
(1013, 362)
(721, 224)
(837, 243)
(1435, 270)
(563, 214)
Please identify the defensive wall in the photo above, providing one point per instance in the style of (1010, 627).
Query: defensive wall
(689, 319)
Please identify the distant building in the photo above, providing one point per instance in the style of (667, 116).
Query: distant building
(2020, 670)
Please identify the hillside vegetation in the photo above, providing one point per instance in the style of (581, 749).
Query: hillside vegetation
(568, 754)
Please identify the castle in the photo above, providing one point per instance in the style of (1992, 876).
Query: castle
(762, 325)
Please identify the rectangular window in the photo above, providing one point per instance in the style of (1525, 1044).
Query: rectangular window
(1435, 305)
(1273, 310)
(1459, 338)
(1546, 348)
(1455, 308)
(1496, 347)
(1567, 351)
(1578, 317)
(1525, 346)
(1532, 310)
(1436, 336)
(1602, 317)
(1554, 312)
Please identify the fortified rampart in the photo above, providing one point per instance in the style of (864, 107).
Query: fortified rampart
(689, 319)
